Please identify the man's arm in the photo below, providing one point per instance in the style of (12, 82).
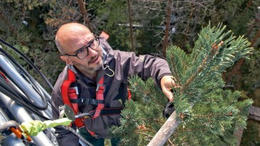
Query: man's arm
(146, 66)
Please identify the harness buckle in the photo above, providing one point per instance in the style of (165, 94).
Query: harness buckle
(100, 87)
(76, 90)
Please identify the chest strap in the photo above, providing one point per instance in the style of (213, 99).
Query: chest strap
(86, 101)
(99, 96)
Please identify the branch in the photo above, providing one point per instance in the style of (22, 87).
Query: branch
(165, 131)
(167, 27)
(131, 24)
(84, 12)
(213, 51)
(172, 122)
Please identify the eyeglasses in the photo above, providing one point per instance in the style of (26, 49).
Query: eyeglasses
(83, 52)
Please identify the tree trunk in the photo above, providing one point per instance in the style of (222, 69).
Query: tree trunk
(167, 27)
(84, 13)
(131, 24)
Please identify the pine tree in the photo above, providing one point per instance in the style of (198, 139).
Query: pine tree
(209, 113)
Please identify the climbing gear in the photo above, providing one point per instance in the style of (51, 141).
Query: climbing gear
(70, 93)
(26, 59)
(70, 98)
(13, 127)
(69, 113)
(19, 134)
(99, 96)
(111, 74)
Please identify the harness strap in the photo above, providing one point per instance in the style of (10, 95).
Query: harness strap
(99, 96)
(68, 93)
(86, 101)
(111, 111)
(65, 87)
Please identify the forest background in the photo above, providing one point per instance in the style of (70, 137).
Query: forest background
(143, 26)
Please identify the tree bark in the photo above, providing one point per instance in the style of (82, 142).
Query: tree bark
(84, 13)
(165, 131)
(254, 113)
(238, 134)
(131, 24)
(167, 27)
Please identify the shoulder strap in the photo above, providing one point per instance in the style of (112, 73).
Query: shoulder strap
(99, 93)
(66, 92)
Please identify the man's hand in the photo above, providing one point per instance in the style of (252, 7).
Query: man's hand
(167, 83)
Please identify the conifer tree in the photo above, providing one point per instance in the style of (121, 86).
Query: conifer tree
(209, 113)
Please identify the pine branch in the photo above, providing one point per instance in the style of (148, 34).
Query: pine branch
(213, 52)
(201, 103)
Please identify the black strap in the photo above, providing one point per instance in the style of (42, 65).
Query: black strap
(111, 111)
(104, 112)
(86, 101)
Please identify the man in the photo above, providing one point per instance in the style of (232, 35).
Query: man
(101, 76)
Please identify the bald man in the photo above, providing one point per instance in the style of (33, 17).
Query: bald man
(99, 76)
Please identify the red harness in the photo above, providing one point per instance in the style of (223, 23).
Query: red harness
(71, 93)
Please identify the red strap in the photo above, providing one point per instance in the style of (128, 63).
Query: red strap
(79, 122)
(129, 94)
(73, 95)
(92, 133)
(3, 75)
(68, 93)
(99, 96)
(65, 87)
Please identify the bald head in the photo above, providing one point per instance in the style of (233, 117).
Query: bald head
(70, 35)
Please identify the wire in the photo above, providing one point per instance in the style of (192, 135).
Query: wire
(11, 92)
(30, 80)
(28, 61)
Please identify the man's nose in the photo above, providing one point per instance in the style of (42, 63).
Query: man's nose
(92, 52)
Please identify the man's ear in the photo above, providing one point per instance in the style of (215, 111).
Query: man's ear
(66, 59)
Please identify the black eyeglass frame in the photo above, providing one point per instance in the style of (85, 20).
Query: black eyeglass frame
(85, 47)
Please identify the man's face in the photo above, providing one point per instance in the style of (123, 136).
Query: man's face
(84, 52)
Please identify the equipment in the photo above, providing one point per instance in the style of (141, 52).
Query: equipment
(22, 99)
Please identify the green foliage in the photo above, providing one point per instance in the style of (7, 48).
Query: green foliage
(23, 27)
(215, 112)
(237, 14)
(250, 79)
(140, 121)
(112, 16)
(211, 113)
(109, 15)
